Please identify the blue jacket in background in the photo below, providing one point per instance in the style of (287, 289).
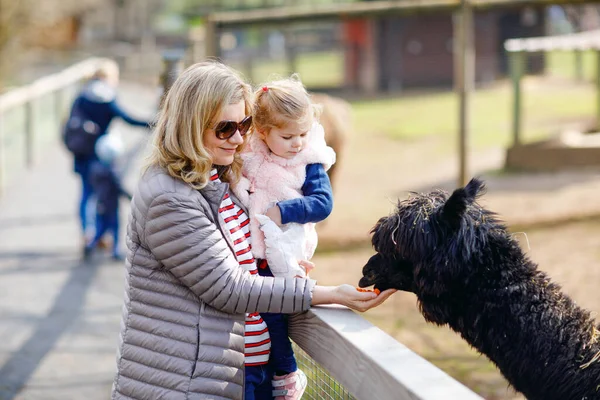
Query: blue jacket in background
(317, 201)
(107, 187)
(97, 100)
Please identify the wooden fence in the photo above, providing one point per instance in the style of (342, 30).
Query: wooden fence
(367, 362)
(518, 49)
(31, 116)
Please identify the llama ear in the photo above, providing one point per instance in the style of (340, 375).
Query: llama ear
(457, 203)
(381, 240)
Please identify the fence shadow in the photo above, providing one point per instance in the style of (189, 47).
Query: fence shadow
(8, 223)
(67, 307)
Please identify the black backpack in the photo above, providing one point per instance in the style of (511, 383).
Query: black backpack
(80, 133)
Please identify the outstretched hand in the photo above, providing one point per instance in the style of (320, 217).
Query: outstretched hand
(361, 301)
(348, 296)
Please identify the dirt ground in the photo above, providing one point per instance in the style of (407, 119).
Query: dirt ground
(375, 172)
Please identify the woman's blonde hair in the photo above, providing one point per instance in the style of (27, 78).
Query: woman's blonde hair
(282, 101)
(189, 110)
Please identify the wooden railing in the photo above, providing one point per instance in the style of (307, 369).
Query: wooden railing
(31, 116)
(518, 49)
(367, 362)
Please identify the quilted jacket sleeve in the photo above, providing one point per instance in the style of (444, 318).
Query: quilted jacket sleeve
(192, 248)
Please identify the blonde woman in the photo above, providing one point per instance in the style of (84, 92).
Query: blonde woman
(94, 109)
(191, 318)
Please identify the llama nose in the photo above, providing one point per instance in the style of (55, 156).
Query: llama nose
(364, 282)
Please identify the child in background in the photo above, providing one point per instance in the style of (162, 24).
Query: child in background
(285, 164)
(106, 184)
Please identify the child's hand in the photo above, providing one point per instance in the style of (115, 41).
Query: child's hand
(275, 214)
(307, 265)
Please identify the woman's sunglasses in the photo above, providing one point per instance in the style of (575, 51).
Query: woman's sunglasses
(226, 129)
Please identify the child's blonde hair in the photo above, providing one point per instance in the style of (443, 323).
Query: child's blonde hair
(282, 101)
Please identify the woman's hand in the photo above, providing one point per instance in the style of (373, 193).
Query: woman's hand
(348, 296)
(361, 301)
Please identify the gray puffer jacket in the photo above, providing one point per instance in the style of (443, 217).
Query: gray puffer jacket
(182, 334)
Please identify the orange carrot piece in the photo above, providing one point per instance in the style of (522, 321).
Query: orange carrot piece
(376, 291)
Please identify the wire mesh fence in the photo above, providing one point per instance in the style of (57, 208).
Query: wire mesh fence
(321, 385)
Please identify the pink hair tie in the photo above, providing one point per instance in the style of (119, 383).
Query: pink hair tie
(265, 89)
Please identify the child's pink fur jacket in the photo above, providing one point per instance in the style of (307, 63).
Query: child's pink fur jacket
(268, 179)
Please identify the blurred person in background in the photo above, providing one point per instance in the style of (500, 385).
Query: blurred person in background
(105, 181)
(193, 296)
(91, 114)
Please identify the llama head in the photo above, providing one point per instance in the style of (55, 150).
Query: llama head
(434, 245)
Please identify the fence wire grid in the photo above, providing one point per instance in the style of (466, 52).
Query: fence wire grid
(320, 384)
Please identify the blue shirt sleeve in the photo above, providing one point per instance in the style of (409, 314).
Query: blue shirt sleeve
(118, 112)
(317, 201)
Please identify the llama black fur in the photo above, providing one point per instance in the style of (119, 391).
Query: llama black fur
(467, 271)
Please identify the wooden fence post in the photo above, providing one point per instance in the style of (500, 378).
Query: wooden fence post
(30, 127)
(464, 57)
(597, 90)
(172, 68)
(2, 156)
(196, 49)
(369, 59)
(211, 39)
(58, 109)
(27, 98)
(290, 51)
(517, 67)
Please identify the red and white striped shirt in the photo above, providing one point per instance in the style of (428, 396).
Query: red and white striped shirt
(257, 340)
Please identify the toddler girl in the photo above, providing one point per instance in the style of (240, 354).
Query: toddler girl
(284, 168)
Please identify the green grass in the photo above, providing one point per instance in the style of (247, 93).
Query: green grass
(412, 117)
(547, 105)
(320, 70)
(562, 64)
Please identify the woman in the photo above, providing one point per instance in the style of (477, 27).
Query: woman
(191, 316)
(97, 101)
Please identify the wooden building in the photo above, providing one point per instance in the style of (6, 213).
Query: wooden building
(417, 50)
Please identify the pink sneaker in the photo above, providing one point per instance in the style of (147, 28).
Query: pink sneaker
(290, 386)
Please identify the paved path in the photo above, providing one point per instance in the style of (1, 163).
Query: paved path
(59, 319)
